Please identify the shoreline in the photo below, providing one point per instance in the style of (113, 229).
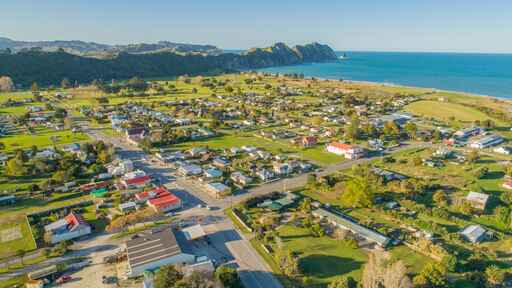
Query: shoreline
(437, 90)
(389, 84)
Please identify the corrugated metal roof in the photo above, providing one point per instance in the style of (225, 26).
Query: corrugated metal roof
(353, 226)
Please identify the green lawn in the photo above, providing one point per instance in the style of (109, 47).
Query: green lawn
(42, 138)
(316, 154)
(31, 205)
(13, 282)
(25, 243)
(323, 259)
(413, 261)
(443, 111)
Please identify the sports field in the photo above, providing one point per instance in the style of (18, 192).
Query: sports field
(14, 236)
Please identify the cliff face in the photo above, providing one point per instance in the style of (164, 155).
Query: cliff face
(49, 68)
(280, 54)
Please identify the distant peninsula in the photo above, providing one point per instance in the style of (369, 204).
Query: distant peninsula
(84, 62)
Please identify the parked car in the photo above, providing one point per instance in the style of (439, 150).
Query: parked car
(63, 279)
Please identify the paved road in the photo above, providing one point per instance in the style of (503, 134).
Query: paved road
(253, 270)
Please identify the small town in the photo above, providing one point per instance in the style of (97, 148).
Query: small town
(253, 179)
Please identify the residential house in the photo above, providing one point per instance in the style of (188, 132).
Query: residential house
(248, 148)
(127, 207)
(218, 189)
(190, 170)
(197, 151)
(347, 150)
(135, 135)
(213, 173)
(443, 153)
(70, 227)
(71, 148)
(507, 184)
(265, 175)
(47, 154)
(240, 178)
(474, 233)
(478, 200)
(388, 176)
(133, 174)
(282, 168)
(220, 162)
(503, 150)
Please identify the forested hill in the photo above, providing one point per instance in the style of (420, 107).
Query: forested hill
(49, 68)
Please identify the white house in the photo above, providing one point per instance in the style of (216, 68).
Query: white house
(503, 150)
(346, 150)
(474, 233)
(70, 227)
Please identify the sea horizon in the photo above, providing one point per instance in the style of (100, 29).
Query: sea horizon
(481, 74)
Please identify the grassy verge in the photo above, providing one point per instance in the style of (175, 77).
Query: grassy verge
(240, 226)
(13, 282)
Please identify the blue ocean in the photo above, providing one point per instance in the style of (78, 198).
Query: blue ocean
(484, 74)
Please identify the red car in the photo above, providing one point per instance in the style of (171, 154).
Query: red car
(63, 279)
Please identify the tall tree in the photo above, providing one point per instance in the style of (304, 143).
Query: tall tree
(343, 282)
(228, 277)
(358, 193)
(167, 276)
(65, 83)
(6, 84)
(353, 130)
(34, 87)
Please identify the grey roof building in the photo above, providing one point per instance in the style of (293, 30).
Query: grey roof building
(153, 250)
(474, 233)
(356, 228)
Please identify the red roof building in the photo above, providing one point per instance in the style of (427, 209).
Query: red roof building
(137, 182)
(347, 150)
(309, 141)
(91, 186)
(150, 194)
(161, 199)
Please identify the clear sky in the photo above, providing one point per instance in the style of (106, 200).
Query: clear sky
(384, 25)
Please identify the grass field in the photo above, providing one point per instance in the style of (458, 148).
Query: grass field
(316, 154)
(443, 111)
(13, 282)
(412, 260)
(22, 241)
(42, 138)
(31, 205)
(323, 259)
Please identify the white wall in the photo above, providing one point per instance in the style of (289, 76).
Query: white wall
(177, 259)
